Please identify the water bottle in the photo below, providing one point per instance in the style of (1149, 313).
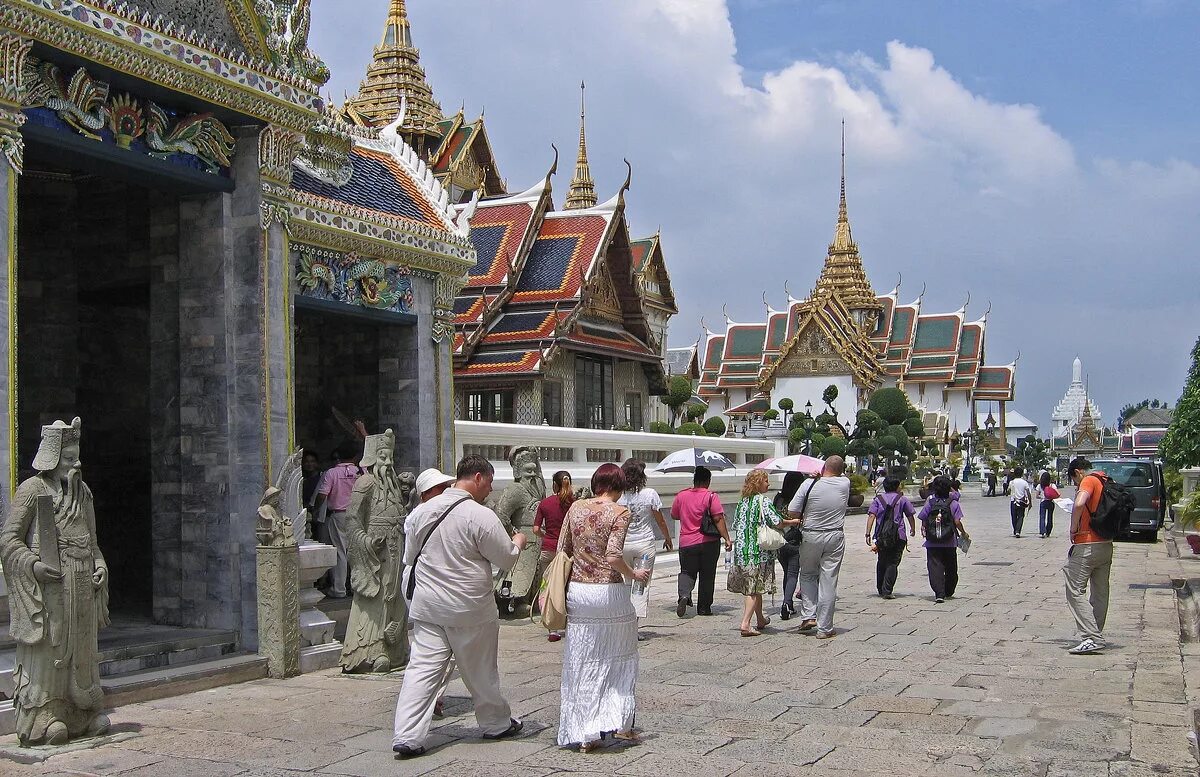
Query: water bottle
(937, 525)
(728, 559)
(643, 562)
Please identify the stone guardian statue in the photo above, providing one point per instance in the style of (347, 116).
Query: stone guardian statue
(58, 595)
(517, 507)
(377, 632)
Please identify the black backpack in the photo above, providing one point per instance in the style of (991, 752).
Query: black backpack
(939, 530)
(1114, 509)
(887, 532)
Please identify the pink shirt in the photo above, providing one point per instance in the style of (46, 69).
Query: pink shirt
(336, 484)
(688, 508)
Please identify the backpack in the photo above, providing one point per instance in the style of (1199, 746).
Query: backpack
(939, 522)
(1116, 504)
(887, 531)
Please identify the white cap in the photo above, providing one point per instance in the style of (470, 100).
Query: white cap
(432, 478)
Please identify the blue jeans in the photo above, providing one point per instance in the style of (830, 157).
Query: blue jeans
(1046, 517)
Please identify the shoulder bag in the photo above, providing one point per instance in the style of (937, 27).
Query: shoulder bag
(769, 538)
(708, 521)
(554, 591)
(412, 573)
(795, 535)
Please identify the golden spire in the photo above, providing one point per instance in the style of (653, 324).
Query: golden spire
(843, 270)
(396, 74)
(583, 188)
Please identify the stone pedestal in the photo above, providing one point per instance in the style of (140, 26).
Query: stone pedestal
(279, 609)
(318, 648)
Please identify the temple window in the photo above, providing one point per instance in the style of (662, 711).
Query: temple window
(593, 392)
(552, 409)
(493, 406)
(633, 411)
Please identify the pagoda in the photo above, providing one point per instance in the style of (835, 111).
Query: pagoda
(1070, 409)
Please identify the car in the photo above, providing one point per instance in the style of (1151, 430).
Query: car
(1143, 477)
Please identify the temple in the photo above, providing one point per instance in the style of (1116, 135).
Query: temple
(846, 335)
(563, 319)
(1076, 428)
(212, 267)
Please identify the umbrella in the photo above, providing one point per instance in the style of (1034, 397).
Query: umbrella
(809, 465)
(688, 459)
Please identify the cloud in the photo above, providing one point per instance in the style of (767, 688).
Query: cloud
(947, 186)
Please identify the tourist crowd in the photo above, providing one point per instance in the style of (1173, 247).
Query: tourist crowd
(455, 544)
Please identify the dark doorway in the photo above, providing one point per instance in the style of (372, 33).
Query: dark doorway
(354, 368)
(92, 251)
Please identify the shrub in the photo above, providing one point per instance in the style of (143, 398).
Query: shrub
(859, 484)
(833, 446)
(771, 415)
(715, 426)
(890, 404)
(691, 428)
(786, 404)
(661, 427)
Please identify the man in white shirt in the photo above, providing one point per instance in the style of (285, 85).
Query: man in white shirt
(1020, 498)
(821, 505)
(453, 545)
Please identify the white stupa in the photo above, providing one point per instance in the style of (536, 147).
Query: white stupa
(1070, 407)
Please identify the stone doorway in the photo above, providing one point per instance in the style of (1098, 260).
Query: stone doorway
(96, 257)
(355, 366)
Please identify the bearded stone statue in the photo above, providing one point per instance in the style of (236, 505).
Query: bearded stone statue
(377, 632)
(517, 507)
(58, 595)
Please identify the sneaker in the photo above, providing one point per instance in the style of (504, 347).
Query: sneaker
(1085, 647)
(553, 636)
(826, 635)
(1017, 535)
(889, 596)
(404, 751)
(938, 600)
(784, 613)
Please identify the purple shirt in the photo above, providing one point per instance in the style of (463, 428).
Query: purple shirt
(955, 511)
(903, 508)
(688, 508)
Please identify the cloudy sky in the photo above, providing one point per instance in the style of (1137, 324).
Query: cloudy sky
(1042, 155)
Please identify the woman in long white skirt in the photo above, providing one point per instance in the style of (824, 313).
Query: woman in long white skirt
(600, 660)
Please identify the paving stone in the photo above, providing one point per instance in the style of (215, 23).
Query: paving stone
(894, 704)
(102, 761)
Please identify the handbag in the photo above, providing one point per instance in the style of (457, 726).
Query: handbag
(1050, 492)
(708, 522)
(554, 592)
(412, 572)
(795, 535)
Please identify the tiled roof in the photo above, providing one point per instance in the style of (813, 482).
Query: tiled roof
(995, 383)
(496, 233)
(935, 348)
(562, 256)
(607, 339)
(744, 342)
(679, 360)
(642, 250)
(515, 327)
(501, 363)
(759, 404)
(1151, 416)
(970, 352)
(379, 183)
(459, 143)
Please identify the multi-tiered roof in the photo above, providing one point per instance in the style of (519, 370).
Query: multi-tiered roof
(872, 337)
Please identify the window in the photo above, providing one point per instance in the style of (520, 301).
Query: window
(593, 392)
(552, 410)
(633, 412)
(494, 406)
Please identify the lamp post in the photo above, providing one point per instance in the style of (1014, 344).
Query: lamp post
(808, 425)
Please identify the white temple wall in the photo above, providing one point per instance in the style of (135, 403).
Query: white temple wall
(810, 389)
(959, 408)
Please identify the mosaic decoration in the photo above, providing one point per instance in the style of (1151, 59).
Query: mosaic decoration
(286, 24)
(82, 103)
(155, 48)
(354, 280)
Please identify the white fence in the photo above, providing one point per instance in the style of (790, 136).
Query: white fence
(581, 451)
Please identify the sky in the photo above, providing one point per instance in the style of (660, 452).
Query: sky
(1042, 156)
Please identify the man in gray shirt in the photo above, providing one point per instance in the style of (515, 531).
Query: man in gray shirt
(821, 506)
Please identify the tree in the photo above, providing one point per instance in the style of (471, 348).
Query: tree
(829, 396)
(833, 446)
(679, 393)
(890, 404)
(786, 405)
(1034, 454)
(691, 428)
(696, 412)
(1181, 445)
(913, 427)
(771, 415)
(661, 427)
(715, 426)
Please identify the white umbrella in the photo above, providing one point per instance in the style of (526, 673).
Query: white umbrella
(809, 465)
(688, 459)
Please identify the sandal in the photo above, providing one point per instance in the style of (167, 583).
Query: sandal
(764, 624)
(751, 633)
(628, 736)
(590, 747)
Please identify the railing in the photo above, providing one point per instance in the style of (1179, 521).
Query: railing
(580, 451)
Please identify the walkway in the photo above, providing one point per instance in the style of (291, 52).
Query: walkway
(979, 685)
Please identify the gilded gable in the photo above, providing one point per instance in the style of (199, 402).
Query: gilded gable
(812, 354)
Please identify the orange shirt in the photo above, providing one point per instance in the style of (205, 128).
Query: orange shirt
(1093, 486)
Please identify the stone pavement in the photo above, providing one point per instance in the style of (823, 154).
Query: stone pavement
(979, 685)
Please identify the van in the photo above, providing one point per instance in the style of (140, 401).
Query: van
(1144, 478)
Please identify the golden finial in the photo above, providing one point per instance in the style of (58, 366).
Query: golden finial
(395, 74)
(583, 189)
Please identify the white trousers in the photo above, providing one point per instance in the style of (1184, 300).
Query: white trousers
(641, 602)
(473, 648)
(820, 562)
(334, 523)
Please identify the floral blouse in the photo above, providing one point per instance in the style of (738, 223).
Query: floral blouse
(752, 512)
(593, 530)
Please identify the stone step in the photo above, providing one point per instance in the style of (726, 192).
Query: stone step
(160, 683)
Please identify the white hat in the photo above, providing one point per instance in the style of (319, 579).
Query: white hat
(432, 478)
